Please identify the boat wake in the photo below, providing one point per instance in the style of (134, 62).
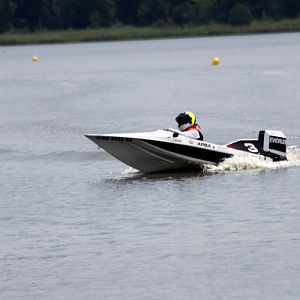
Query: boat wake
(131, 171)
(238, 164)
(252, 163)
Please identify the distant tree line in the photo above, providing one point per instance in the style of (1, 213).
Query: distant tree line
(33, 15)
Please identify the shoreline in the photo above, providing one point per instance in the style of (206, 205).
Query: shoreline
(143, 33)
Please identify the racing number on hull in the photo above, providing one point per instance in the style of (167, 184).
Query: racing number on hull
(251, 148)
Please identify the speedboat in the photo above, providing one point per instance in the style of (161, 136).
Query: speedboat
(162, 150)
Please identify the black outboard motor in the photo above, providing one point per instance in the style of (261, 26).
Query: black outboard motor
(273, 144)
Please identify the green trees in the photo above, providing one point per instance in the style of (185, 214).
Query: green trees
(240, 15)
(152, 11)
(33, 15)
(5, 15)
(127, 11)
(106, 13)
(194, 12)
(205, 11)
(183, 14)
(291, 8)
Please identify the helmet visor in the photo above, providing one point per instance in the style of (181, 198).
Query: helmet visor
(183, 118)
(181, 121)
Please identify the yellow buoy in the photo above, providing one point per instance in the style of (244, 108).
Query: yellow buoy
(34, 58)
(215, 61)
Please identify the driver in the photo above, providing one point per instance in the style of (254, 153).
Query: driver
(187, 126)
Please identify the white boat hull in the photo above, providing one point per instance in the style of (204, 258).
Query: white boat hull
(159, 151)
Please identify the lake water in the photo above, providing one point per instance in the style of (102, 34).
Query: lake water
(78, 224)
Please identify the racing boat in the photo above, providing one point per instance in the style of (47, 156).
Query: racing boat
(162, 150)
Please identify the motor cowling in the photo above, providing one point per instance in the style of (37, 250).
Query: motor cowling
(273, 144)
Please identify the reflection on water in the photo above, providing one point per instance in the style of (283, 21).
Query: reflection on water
(134, 175)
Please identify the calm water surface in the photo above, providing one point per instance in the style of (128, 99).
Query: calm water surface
(78, 224)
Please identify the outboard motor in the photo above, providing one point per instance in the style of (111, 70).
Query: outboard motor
(273, 144)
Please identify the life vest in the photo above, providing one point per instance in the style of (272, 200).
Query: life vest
(195, 127)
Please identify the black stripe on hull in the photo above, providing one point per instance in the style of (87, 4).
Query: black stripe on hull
(189, 151)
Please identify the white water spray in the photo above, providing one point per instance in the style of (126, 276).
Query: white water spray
(252, 163)
(246, 163)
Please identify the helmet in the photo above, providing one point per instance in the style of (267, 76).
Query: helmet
(185, 120)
